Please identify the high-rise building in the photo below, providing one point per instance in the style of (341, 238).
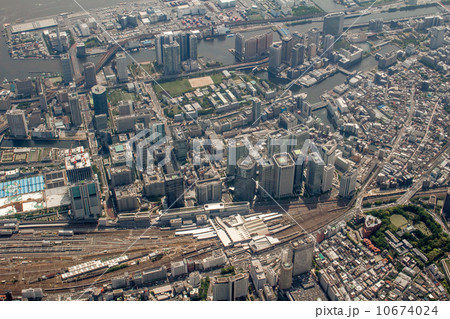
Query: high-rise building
(311, 51)
(302, 253)
(265, 178)
(244, 183)
(174, 188)
(286, 48)
(300, 163)
(315, 173)
(193, 46)
(66, 69)
(328, 45)
(122, 67)
(333, 23)
(297, 55)
(285, 281)
(437, 37)
(256, 109)
(313, 36)
(257, 274)
(348, 183)
(75, 110)
(24, 88)
(85, 200)
(376, 25)
(235, 151)
(446, 206)
(171, 60)
(231, 288)
(251, 49)
(90, 77)
(161, 39)
(327, 178)
(17, 123)
(284, 175)
(81, 50)
(100, 100)
(239, 46)
(208, 191)
(275, 54)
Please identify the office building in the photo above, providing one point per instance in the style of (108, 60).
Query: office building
(121, 175)
(284, 170)
(302, 254)
(300, 163)
(313, 36)
(75, 109)
(24, 88)
(437, 37)
(257, 274)
(275, 54)
(66, 69)
(333, 23)
(328, 45)
(90, 76)
(286, 47)
(297, 55)
(126, 198)
(5, 100)
(235, 151)
(285, 281)
(376, 25)
(78, 165)
(174, 189)
(85, 200)
(231, 288)
(100, 100)
(265, 178)
(81, 50)
(256, 109)
(17, 123)
(327, 178)
(208, 191)
(446, 206)
(348, 183)
(315, 173)
(122, 67)
(244, 183)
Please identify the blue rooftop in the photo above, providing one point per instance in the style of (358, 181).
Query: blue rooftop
(22, 186)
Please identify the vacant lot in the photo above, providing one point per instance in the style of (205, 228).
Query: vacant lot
(120, 95)
(200, 82)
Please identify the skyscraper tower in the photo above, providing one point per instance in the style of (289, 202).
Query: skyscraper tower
(333, 23)
(284, 175)
(239, 46)
(302, 252)
(17, 123)
(171, 60)
(100, 100)
(275, 54)
(90, 78)
(75, 110)
(66, 69)
(348, 183)
(315, 173)
(256, 109)
(122, 67)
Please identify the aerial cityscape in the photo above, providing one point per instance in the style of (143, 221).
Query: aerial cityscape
(225, 150)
